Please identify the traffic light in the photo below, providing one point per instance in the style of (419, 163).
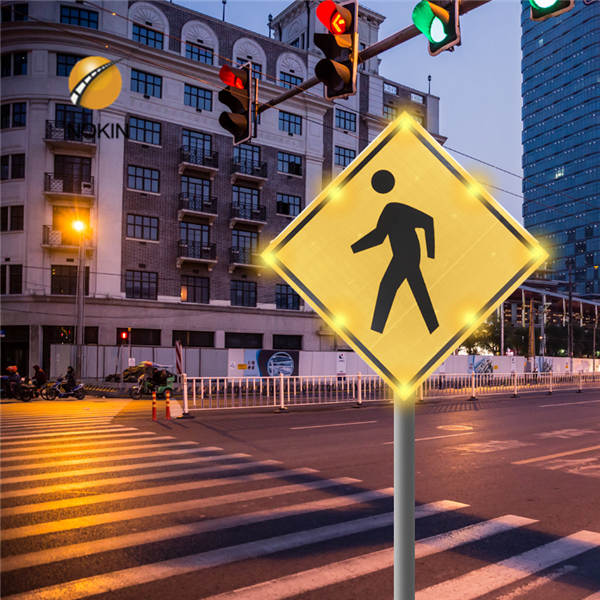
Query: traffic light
(439, 22)
(337, 71)
(124, 336)
(544, 9)
(238, 97)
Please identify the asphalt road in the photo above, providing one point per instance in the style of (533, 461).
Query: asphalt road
(98, 500)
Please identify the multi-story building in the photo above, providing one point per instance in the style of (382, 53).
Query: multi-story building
(175, 215)
(561, 133)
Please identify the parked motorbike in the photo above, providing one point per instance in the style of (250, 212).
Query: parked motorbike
(57, 391)
(23, 390)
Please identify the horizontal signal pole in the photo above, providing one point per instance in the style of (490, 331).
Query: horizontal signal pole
(373, 50)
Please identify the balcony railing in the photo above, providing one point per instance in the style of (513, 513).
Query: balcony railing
(197, 156)
(68, 184)
(197, 250)
(200, 204)
(61, 131)
(246, 212)
(67, 240)
(249, 167)
(244, 256)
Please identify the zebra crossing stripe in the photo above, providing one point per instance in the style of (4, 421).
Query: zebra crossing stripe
(24, 509)
(487, 579)
(172, 507)
(7, 428)
(42, 557)
(319, 577)
(104, 438)
(100, 429)
(119, 468)
(86, 485)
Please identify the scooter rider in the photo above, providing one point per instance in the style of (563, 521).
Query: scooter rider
(39, 377)
(69, 381)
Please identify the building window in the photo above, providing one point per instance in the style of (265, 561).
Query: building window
(245, 197)
(142, 227)
(199, 98)
(68, 114)
(287, 204)
(146, 83)
(140, 337)
(64, 63)
(14, 63)
(198, 339)
(72, 15)
(290, 122)
(194, 187)
(289, 163)
(200, 143)
(589, 259)
(344, 156)
(144, 179)
(570, 235)
(199, 53)
(11, 218)
(298, 42)
(18, 112)
(149, 37)
(243, 340)
(580, 247)
(15, 12)
(243, 293)
(345, 120)
(63, 280)
(195, 235)
(195, 289)
(12, 166)
(11, 279)
(287, 342)
(141, 284)
(589, 231)
(241, 239)
(256, 67)
(416, 98)
(559, 172)
(389, 112)
(286, 298)
(287, 80)
(142, 130)
(390, 88)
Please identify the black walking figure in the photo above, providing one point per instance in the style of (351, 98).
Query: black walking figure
(400, 222)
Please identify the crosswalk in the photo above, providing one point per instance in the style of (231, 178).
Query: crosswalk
(102, 507)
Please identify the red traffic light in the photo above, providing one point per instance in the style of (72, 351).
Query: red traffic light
(336, 19)
(124, 335)
(232, 77)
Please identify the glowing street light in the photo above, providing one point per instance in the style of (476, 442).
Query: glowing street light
(80, 227)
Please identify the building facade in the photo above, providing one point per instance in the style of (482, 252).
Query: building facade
(175, 216)
(561, 141)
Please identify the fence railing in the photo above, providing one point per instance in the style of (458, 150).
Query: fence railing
(205, 393)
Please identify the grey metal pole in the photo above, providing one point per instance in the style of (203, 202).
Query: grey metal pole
(570, 330)
(404, 498)
(79, 301)
(543, 332)
(502, 329)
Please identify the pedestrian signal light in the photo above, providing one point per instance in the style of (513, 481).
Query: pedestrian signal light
(237, 96)
(337, 71)
(439, 24)
(544, 9)
(124, 335)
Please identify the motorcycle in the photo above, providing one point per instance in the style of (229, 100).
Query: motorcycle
(146, 387)
(23, 390)
(57, 391)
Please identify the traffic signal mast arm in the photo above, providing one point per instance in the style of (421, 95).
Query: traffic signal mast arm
(373, 50)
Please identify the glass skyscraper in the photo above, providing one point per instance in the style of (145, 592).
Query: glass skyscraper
(561, 140)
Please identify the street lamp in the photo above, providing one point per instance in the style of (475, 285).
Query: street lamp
(80, 227)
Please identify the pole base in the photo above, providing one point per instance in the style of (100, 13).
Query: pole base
(515, 395)
(549, 393)
(472, 398)
(579, 391)
(281, 409)
(186, 416)
(357, 405)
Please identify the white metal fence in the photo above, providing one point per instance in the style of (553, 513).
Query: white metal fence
(205, 393)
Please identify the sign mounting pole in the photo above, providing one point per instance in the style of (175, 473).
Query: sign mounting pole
(404, 498)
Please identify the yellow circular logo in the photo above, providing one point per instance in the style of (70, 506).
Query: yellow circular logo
(94, 82)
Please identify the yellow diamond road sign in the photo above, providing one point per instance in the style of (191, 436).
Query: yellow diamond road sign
(404, 254)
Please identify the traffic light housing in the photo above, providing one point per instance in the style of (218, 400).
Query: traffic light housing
(238, 97)
(337, 71)
(544, 9)
(439, 22)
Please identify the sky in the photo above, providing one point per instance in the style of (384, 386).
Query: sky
(479, 84)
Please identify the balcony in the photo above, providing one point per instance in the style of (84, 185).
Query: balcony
(248, 171)
(62, 136)
(196, 160)
(247, 215)
(67, 187)
(196, 253)
(245, 257)
(202, 207)
(54, 239)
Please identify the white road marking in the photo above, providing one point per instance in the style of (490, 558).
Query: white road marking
(565, 434)
(117, 468)
(333, 425)
(433, 508)
(537, 583)
(87, 440)
(589, 467)
(24, 509)
(64, 424)
(320, 577)
(101, 429)
(568, 403)
(42, 557)
(557, 455)
(86, 485)
(12, 533)
(487, 579)
(436, 437)
(491, 446)
(455, 427)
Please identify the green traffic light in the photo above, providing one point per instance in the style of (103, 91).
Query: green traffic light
(429, 24)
